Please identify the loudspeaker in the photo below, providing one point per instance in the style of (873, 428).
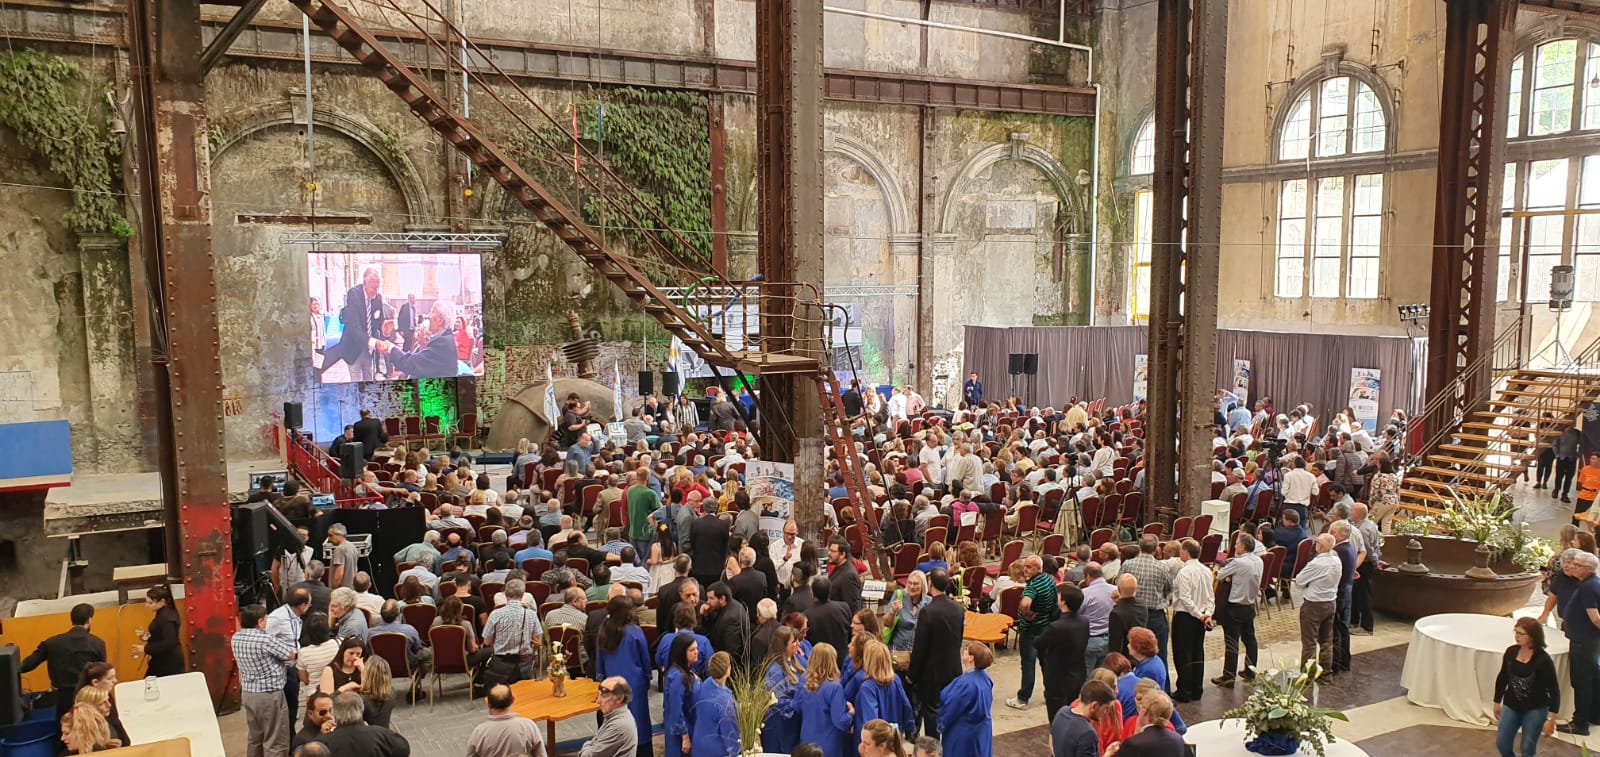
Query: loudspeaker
(1016, 363)
(284, 536)
(669, 383)
(350, 460)
(251, 534)
(647, 383)
(1030, 364)
(10, 685)
(293, 417)
(1562, 280)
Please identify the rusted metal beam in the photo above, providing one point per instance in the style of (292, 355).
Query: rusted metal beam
(36, 20)
(175, 194)
(1171, 185)
(229, 32)
(1479, 42)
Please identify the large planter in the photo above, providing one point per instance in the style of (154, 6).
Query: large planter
(1445, 587)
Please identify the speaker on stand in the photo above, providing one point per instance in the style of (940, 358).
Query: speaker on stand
(1030, 368)
(670, 384)
(647, 383)
(1014, 365)
(351, 461)
(293, 415)
(10, 685)
(1563, 279)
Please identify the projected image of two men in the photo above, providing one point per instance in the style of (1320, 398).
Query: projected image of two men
(381, 316)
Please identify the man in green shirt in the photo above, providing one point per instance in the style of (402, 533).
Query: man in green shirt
(1037, 610)
(641, 502)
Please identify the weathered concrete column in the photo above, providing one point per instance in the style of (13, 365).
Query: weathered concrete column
(108, 340)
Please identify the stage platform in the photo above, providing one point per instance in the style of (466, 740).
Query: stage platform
(100, 503)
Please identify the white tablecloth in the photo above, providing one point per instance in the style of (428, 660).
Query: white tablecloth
(184, 710)
(1455, 657)
(1213, 738)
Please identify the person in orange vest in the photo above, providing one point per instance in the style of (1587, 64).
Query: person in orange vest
(1588, 487)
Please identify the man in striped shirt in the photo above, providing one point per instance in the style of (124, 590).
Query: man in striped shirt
(512, 630)
(1155, 588)
(262, 658)
(1037, 610)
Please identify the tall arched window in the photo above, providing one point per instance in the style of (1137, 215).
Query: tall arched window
(1141, 163)
(1554, 92)
(1330, 220)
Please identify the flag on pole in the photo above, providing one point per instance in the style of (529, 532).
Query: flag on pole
(552, 410)
(616, 388)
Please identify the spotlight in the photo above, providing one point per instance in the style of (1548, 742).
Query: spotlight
(1413, 314)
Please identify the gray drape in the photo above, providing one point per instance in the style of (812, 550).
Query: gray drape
(1092, 362)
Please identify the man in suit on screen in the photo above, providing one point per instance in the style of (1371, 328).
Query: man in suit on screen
(437, 358)
(362, 317)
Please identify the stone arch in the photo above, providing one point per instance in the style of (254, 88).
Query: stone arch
(882, 174)
(1053, 172)
(1308, 81)
(245, 122)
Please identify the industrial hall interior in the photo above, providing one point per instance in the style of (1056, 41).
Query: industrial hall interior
(853, 378)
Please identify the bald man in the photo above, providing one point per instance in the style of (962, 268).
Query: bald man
(436, 359)
(1126, 615)
(1319, 583)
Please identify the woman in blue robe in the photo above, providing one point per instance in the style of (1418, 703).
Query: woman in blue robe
(678, 695)
(620, 650)
(825, 715)
(879, 695)
(715, 724)
(780, 731)
(965, 727)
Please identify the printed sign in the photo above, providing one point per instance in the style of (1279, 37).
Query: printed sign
(771, 488)
(1141, 377)
(1365, 386)
(1241, 381)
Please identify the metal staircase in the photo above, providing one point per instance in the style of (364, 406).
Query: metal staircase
(655, 255)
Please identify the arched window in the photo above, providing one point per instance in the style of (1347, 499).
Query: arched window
(1553, 185)
(1330, 220)
(1141, 163)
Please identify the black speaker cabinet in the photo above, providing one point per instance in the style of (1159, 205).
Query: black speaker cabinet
(1015, 364)
(647, 383)
(1030, 364)
(10, 685)
(293, 415)
(350, 460)
(669, 383)
(250, 530)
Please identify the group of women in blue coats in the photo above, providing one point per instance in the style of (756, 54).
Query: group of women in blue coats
(698, 715)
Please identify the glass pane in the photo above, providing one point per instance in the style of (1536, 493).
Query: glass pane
(1588, 275)
(1363, 278)
(1508, 193)
(1547, 184)
(1365, 232)
(1369, 194)
(1369, 120)
(1291, 277)
(1589, 182)
(1514, 111)
(1555, 68)
(1502, 283)
(1333, 117)
(1325, 277)
(1296, 138)
(1144, 217)
(1291, 239)
(1144, 148)
(1539, 276)
(1292, 203)
(1591, 91)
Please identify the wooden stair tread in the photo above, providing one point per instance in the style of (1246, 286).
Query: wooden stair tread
(1441, 487)
(1449, 460)
(1522, 416)
(758, 363)
(1555, 375)
(1469, 474)
(1520, 430)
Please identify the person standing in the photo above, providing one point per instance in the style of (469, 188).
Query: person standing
(345, 556)
(1126, 615)
(1526, 690)
(1319, 586)
(161, 640)
(262, 659)
(932, 666)
(715, 731)
(1581, 622)
(972, 391)
(621, 652)
(1062, 648)
(369, 431)
(1155, 589)
(362, 319)
(1361, 616)
(1350, 558)
(708, 541)
(641, 503)
(1072, 731)
(1194, 602)
(67, 653)
(1099, 597)
(513, 631)
(1588, 488)
(1566, 449)
(678, 694)
(1036, 611)
(965, 723)
(824, 711)
(1243, 574)
(844, 580)
(505, 734)
(1299, 488)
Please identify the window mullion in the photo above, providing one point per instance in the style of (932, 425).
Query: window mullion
(1347, 221)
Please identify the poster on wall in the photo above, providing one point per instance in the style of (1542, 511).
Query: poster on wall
(1591, 426)
(1141, 377)
(771, 488)
(1241, 381)
(1365, 384)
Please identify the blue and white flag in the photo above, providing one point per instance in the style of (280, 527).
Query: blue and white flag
(616, 388)
(552, 409)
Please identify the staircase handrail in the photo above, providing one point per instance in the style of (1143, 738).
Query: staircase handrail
(1442, 428)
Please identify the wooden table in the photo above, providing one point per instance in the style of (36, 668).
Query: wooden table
(987, 627)
(535, 702)
(127, 577)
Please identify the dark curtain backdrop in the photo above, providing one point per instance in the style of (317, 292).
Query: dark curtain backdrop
(1092, 362)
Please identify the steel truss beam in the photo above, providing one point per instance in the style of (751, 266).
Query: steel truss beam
(1479, 43)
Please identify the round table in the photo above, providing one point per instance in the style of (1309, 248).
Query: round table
(1454, 658)
(987, 627)
(1216, 738)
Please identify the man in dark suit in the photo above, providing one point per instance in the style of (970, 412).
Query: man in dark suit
(1061, 647)
(827, 621)
(369, 431)
(935, 659)
(362, 317)
(348, 437)
(1154, 739)
(845, 579)
(667, 593)
(437, 358)
(708, 544)
(406, 318)
(1126, 615)
(726, 623)
(67, 653)
(750, 585)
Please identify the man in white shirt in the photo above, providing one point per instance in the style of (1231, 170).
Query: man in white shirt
(1243, 573)
(897, 405)
(1299, 487)
(628, 571)
(1194, 602)
(365, 599)
(1077, 415)
(423, 572)
(785, 552)
(931, 458)
(1319, 585)
(966, 471)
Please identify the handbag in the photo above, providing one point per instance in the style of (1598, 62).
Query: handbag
(894, 622)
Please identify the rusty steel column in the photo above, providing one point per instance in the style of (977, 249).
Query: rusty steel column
(176, 204)
(1186, 254)
(789, 170)
(1479, 42)
(715, 112)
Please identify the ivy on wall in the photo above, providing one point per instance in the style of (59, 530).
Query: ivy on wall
(37, 102)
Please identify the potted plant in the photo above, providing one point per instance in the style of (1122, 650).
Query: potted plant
(751, 701)
(1278, 716)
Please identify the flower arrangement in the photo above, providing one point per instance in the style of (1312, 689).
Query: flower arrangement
(1487, 520)
(1278, 716)
(751, 701)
